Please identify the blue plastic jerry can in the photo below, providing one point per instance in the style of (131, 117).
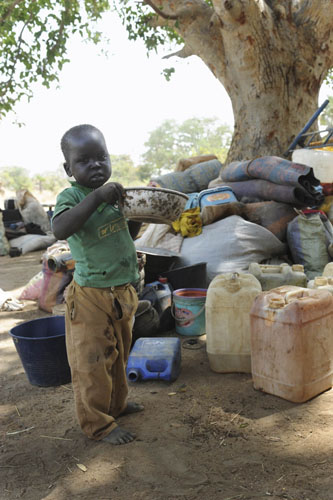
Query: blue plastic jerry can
(154, 358)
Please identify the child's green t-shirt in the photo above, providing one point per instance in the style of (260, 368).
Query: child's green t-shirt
(103, 249)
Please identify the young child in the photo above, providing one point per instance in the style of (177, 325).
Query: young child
(101, 301)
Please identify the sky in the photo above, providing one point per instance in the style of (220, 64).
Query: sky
(125, 95)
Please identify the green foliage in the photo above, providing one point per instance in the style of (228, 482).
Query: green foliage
(50, 181)
(167, 72)
(33, 42)
(34, 36)
(124, 171)
(171, 141)
(13, 178)
(139, 21)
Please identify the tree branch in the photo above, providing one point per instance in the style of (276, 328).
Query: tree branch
(183, 53)
(237, 12)
(314, 12)
(188, 10)
(160, 12)
(314, 22)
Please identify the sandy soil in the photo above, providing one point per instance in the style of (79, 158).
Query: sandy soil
(206, 435)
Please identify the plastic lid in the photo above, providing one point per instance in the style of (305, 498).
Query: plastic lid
(233, 284)
(320, 281)
(298, 268)
(276, 302)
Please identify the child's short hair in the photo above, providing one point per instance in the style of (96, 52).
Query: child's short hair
(74, 132)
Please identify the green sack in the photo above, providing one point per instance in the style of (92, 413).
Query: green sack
(310, 240)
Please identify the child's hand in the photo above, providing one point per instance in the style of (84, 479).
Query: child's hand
(111, 193)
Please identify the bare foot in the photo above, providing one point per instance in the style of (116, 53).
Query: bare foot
(119, 436)
(132, 407)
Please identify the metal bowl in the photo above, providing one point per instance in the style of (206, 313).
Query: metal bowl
(157, 205)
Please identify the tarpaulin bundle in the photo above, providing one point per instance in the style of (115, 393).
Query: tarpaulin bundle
(265, 190)
(273, 178)
(195, 178)
(272, 215)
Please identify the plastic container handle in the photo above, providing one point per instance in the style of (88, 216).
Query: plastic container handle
(297, 294)
(185, 320)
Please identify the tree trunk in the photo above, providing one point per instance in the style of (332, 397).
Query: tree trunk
(271, 57)
(267, 122)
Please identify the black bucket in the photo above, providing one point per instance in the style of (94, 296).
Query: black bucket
(158, 260)
(41, 345)
(194, 276)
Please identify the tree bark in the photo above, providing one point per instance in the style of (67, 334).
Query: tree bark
(271, 56)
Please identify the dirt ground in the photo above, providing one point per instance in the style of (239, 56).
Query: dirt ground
(207, 435)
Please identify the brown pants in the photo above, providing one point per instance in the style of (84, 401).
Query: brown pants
(98, 340)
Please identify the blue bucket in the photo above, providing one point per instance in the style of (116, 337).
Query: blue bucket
(188, 309)
(41, 345)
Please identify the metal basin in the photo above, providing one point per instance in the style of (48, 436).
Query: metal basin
(157, 205)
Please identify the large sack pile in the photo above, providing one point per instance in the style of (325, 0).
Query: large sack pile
(230, 245)
(26, 227)
(273, 216)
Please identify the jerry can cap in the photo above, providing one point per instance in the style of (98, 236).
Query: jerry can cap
(320, 281)
(298, 268)
(276, 302)
(233, 284)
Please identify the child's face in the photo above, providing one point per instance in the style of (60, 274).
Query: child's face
(88, 160)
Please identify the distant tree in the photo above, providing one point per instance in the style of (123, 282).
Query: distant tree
(124, 171)
(162, 150)
(39, 182)
(171, 141)
(326, 117)
(145, 172)
(53, 181)
(14, 178)
(204, 136)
